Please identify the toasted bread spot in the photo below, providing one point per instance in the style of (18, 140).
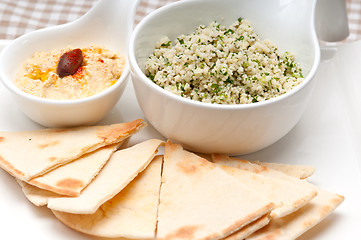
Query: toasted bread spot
(325, 210)
(338, 199)
(305, 199)
(187, 168)
(1, 139)
(41, 146)
(260, 169)
(113, 133)
(309, 223)
(186, 232)
(58, 190)
(52, 159)
(70, 183)
(10, 168)
(240, 166)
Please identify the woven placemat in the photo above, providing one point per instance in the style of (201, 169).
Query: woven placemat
(18, 17)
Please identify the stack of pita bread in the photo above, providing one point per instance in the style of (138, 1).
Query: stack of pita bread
(95, 187)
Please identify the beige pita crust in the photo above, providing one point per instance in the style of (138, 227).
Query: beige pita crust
(287, 196)
(255, 168)
(297, 223)
(297, 171)
(70, 179)
(250, 228)
(39, 197)
(123, 166)
(132, 213)
(29, 154)
(198, 200)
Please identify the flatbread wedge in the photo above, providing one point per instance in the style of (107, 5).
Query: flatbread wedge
(297, 223)
(198, 200)
(297, 171)
(288, 196)
(37, 196)
(29, 154)
(132, 213)
(123, 166)
(255, 168)
(70, 179)
(250, 228)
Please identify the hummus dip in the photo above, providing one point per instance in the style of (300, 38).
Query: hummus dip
(100, 69)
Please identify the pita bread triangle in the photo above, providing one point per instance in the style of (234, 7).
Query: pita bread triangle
(298, 171)
(298, 222)
(198, 200)
(29, 154)
(132, 213)
(294, 225)
(250, 228)
(37, 196)
(255, 168)
(287, 196)
(71, 178)
(123, 166)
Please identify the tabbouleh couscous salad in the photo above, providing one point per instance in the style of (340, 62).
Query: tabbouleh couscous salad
(223, 65)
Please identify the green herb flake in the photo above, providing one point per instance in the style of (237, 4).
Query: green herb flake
(216, 88)
(229, 31)
(223, 71)
(245, 64)
(229, 81)
(241, 38)
(167, 44)
(181, 41)
(150, 76)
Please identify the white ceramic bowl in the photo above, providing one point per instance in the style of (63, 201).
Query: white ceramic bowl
(232, 129)
(108, 24)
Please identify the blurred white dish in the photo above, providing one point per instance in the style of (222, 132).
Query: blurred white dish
(107, 24)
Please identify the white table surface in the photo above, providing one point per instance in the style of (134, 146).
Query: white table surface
(327, 137)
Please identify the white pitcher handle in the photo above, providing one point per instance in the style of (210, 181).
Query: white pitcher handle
(331, 20)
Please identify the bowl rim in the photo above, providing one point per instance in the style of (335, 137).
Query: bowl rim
(11, 86)
(135, 68)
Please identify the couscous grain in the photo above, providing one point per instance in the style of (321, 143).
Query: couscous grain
(221, 65)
